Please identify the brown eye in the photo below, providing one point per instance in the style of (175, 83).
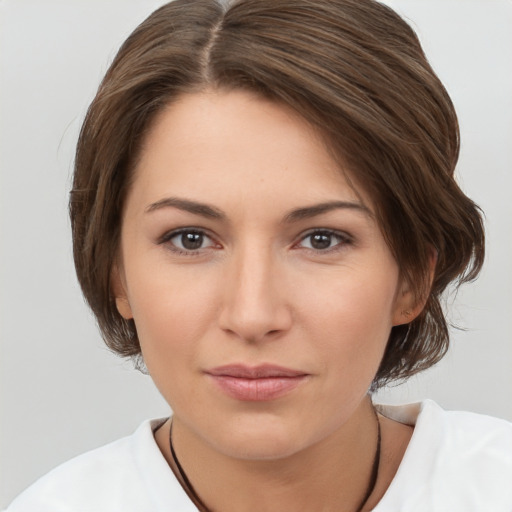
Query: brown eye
(323, 240)
(191, 241)
(188, 240)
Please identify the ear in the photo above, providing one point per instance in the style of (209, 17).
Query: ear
(118, 285)
(407, 305)
(407, 308)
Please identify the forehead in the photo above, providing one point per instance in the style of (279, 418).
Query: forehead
(237, 145)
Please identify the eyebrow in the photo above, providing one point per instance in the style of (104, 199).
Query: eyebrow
(211, 212)
(319, 209)
(187, 205)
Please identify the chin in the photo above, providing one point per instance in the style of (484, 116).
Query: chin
(259, 439)
(267, 449)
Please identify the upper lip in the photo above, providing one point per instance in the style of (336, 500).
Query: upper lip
(263, 371)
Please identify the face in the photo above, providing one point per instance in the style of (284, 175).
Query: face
(261, 287)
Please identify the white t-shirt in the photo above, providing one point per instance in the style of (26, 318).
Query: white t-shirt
(455, 462)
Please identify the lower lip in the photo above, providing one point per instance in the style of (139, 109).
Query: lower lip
(257, 390)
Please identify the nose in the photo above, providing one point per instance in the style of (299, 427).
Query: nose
(255, 305)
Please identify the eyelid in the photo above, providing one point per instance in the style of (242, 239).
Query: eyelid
(345, 239)
(169, 235)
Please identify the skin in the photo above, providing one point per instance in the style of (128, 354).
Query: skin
(257, 290)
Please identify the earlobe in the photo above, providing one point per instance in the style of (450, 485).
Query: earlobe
(123, 307)
(119, 291)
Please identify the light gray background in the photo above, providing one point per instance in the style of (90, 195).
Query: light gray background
(61, 391)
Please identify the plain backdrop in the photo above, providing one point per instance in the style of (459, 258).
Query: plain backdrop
(62, 392)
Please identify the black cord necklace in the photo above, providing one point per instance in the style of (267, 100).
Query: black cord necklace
(371, 484)
(375, 468)
(188, 486)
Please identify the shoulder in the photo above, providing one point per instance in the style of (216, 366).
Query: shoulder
(465, 436)
(456, 429)
(127, 475)
(456, 461)
(476, 447)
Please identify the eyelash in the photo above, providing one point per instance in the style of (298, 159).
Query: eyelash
(167, 237)
(342, 237)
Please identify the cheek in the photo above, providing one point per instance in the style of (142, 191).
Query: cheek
(350, 316)
(173, 319)
(172, 311)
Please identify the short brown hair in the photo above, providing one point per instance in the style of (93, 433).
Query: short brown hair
(353, 69)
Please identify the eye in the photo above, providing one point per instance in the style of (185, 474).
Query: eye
(187, 240)
(324, 240)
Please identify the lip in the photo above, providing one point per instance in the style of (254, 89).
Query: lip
(256, 383)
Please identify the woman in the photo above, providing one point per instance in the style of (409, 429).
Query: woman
(264, 215)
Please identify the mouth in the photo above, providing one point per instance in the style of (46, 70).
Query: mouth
(256, 383)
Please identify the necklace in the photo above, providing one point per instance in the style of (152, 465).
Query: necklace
(375, 467)
(186, 482)
(203, 508)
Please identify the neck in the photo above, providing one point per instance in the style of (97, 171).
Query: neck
(337, 469)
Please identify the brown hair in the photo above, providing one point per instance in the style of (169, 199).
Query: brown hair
(353, 69)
